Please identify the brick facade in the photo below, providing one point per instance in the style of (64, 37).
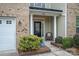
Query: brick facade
(72, 10)
(21, 13)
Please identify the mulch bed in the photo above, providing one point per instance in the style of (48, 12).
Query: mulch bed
(39, 51)
(73, 50)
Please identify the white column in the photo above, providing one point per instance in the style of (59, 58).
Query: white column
(65, 19)
(31, 24)
(55, 30)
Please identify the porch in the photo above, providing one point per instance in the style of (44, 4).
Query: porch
(43, 21)
(42, 25)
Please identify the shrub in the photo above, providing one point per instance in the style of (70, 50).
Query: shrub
(67, 42)
(28, 43)
(58, 39)
(22, 44)
(76, 40)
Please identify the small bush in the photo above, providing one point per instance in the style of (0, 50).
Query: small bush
(58, 39)
(76, 40)
(28, 43)
(67, 42)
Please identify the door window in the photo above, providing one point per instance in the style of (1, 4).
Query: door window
(42, 29)
(37, 28)
(0, 21)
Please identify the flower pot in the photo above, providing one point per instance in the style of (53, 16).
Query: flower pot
(42, 44)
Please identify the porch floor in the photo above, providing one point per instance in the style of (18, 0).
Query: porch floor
(54, 52)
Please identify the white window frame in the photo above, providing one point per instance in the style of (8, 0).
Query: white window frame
(39, 6)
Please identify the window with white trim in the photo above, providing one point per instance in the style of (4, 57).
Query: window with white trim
(41, 5)
(8, 22)
(31, 4)
(77, 24)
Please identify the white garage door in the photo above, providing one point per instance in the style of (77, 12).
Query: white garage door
(7, 34)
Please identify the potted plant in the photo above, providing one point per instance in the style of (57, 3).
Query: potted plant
(42, 44)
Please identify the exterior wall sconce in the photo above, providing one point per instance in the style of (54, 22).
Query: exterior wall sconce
(19, 23)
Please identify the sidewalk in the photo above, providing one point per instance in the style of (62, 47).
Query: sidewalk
(54, 51)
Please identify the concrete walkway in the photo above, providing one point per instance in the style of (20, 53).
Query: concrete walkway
(54, 52)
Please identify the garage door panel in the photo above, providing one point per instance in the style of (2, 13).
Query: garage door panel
(7, 34)
(9, 47)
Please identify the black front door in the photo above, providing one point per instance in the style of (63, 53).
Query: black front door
(37, 28)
